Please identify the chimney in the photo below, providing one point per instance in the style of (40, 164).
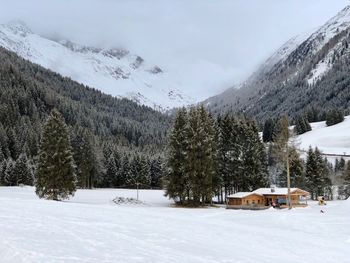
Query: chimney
(273, 188)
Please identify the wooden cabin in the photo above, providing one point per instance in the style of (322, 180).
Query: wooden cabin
(245, 200)
(266, 197)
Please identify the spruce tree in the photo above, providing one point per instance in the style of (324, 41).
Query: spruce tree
(85, 158)
(254, 160)
(339, 165)
(2, 172)
(334, 116)
(2, 156)
(118, 180)
(56, 179)
(23, 171)
(125, 170)
(302, 125)
(317, 179)
(227, 155)
(345, 189)
(176, 179)
(201, 155)
(10, 177)
(111, 172)
(156, 172)
(269, 130)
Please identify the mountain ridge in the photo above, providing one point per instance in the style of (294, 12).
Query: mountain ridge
(286, 85)
(114, 71)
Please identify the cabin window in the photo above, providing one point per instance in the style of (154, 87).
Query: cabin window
(247, 202)
(258, 201)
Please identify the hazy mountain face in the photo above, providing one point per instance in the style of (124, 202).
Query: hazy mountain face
(309, 71)
(202, 46)
(114, 71)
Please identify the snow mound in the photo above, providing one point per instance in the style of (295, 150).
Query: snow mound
(127, 201)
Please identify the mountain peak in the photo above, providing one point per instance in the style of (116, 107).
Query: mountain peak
(18, 27)
(309, 70)
(115, 71)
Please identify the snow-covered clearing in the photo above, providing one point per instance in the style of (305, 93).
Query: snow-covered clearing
(90, 228)
(330, 140)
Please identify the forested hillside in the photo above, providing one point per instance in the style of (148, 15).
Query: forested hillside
(312, 77)
(113, 131)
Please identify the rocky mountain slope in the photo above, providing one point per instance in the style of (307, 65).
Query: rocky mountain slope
(113, 71)
(310, 72)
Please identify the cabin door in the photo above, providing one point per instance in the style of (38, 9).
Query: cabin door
(268, 201)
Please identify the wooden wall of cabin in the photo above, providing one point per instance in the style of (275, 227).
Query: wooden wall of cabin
(234, 201)
(253, 200)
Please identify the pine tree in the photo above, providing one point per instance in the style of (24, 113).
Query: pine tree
(56, 179)
(334, 116)
(118, 180)
(269, 130)
(345, 189)
(125, 171)
(111, 172)
(156, 172)
(13, 144)
(192, 158)
(302, 125)
(10, 177)
(85, 158)
(210, 151)
(201, 155)
(2, 156)
(2, 172)
(145, 174)
(339, 165)
(23, 171)
(176, 179)
(229, 151)
(317, 174)
(254, 160)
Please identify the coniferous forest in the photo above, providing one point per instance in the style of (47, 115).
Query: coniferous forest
(210, 157)
(112, 139)
(196, 158)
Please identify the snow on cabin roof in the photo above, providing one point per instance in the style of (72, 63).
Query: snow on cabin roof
(277, 191)
(242, 194)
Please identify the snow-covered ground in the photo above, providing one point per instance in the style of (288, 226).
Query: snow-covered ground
(330, 140)
(91, 228)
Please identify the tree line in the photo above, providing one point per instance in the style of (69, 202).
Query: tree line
(210, 157)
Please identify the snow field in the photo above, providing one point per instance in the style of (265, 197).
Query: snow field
(90, 228)
(330, 140)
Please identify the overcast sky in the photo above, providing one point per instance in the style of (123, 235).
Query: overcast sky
(210, 44)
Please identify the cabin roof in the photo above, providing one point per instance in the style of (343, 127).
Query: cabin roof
(243, 194)
(277, 191)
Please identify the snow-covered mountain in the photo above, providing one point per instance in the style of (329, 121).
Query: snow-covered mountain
(113, 71)
(310, 70)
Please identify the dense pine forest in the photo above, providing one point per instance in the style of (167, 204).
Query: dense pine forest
(110, 137)
(117, 143)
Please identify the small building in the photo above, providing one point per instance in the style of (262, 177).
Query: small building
(245, 200)
(263, 198)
